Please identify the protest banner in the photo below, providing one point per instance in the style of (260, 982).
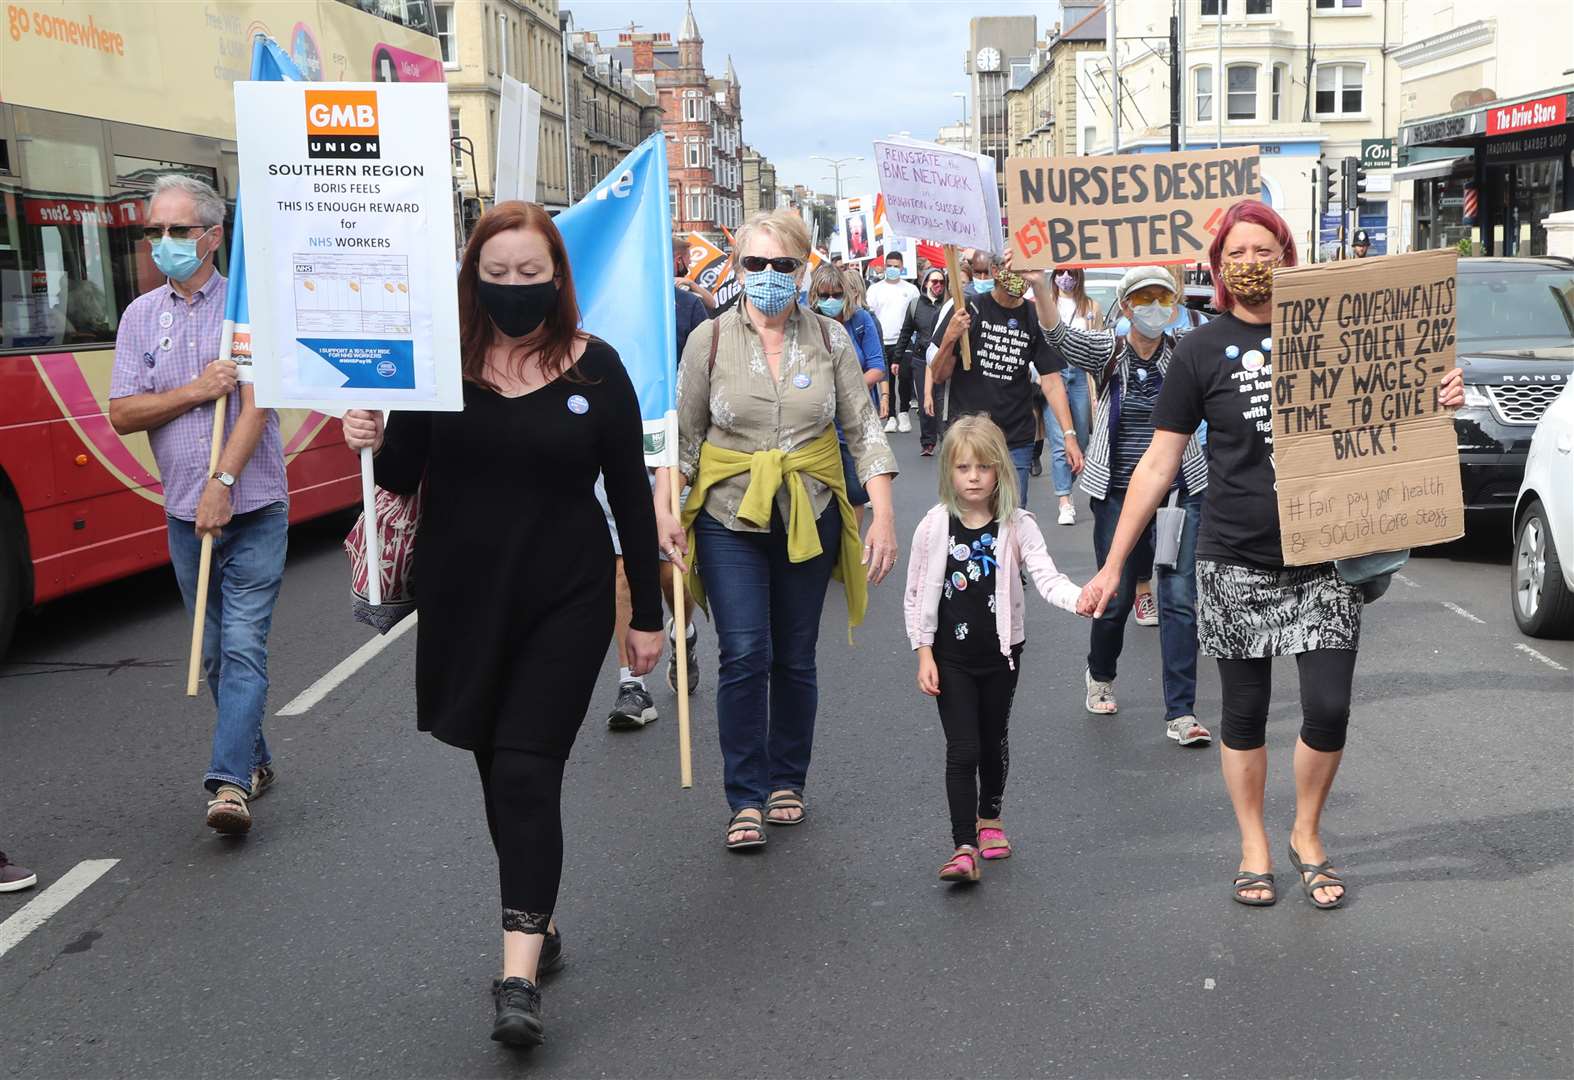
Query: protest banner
(855, 227)
(1366, 459)
(712, 268)
(932, 193)
(518, 141)
(1126, 210)
(357, 305)
(619, 241)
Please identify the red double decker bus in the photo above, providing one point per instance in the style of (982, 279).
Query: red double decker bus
(97, 99)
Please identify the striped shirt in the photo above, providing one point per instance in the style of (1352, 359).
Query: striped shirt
(164, 342)
(1091, 351)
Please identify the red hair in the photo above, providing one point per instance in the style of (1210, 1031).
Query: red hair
(1247, 212)
(556, 336)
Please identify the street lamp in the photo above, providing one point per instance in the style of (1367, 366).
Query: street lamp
(959, 94)
(836, 167)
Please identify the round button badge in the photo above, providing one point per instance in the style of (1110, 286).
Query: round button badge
(960, 553)
(578, 405)
(166, 343)
(166, 320)
(801, 381)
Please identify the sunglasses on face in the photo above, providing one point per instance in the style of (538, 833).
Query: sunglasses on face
(755, 263)
(152, 233)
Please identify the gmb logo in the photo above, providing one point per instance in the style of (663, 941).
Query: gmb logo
(342, 124)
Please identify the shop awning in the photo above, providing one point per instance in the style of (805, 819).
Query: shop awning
(1422, 170)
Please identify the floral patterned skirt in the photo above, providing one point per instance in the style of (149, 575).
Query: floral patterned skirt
(1248, 612)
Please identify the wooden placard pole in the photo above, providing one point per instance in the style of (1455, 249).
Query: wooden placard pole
(221, 408)
(680, 651)
(954, 275)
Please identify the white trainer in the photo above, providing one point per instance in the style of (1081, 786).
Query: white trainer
(890, 425)
(1101, 696)
(1068, 514)
(904, 422)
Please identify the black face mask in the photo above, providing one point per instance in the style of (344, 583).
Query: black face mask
(517, 309)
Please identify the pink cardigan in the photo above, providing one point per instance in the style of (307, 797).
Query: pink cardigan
(1020, 544)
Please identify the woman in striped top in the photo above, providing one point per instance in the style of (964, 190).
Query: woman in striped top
(1127, 374)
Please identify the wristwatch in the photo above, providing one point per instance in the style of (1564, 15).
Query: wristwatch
(224, 478)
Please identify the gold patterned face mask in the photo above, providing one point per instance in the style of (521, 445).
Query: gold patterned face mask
(1249, 282)
(1014, 284)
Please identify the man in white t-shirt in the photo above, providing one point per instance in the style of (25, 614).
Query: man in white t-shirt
(888, 299)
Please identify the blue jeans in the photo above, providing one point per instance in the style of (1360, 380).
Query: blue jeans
(1076, 381)
(1022, 459)
(766, 610)
(1176, 591)
(243, 583)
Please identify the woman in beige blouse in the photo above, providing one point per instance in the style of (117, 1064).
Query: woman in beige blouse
(760, 392)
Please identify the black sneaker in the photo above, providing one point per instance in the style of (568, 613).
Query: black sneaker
(672, 659)
(633, 709)
(14, 878)
(518, 1020)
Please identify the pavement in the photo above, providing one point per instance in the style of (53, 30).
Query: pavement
(355, 931)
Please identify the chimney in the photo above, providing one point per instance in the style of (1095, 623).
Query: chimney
(644, 52)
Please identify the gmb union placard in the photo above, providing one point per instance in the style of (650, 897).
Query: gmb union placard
(346, 201)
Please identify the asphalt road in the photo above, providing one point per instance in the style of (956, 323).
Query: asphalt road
(354, 932)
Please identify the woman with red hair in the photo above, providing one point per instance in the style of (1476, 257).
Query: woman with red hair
(515, 561)
(1251, 607)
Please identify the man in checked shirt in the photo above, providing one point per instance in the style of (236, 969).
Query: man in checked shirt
(167, 379)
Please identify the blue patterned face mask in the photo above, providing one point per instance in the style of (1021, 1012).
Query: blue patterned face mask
(770, 291)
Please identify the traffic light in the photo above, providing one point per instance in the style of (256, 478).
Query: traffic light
(1354, 181)
(1327, 186)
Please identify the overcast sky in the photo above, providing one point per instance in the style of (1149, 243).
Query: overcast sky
(826, 77)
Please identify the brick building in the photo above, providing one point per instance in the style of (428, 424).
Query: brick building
(703, 118)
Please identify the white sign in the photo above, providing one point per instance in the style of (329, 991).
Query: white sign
(346, 195)
(936, 194)
(855, 226)
(518, 142)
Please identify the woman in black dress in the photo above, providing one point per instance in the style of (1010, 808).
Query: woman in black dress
(515, 563)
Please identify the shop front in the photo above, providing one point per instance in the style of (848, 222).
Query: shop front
(1491, 175)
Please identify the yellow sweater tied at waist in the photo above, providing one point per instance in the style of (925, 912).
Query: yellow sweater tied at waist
(768, 470)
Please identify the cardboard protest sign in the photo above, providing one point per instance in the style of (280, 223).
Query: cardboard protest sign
(932, 193)
(1366, 460)
(1126, 210)
(855, 226)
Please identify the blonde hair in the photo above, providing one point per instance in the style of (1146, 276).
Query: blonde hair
(979, 438)
(853, 288)
(785, 225)
(824, 277)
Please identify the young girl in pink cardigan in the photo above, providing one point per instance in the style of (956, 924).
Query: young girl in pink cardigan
(964, 609)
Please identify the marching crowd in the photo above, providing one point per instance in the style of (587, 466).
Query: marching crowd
(786, 398)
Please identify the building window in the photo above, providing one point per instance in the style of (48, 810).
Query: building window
(1259, 7)
(672, 202)
(1211, 9)
(1340, 5)
(1280, 72)
(1204, 93)
(1339, 89)
(454, 135)
(693, 159)
(445, 35)
(1241, 99)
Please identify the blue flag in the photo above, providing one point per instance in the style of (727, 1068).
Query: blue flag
(269, 63)
(619, 241)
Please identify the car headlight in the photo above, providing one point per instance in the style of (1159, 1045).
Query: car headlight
(1476, 398)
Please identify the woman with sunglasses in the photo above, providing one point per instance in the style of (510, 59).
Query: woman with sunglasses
(838, 294)
(761, 390)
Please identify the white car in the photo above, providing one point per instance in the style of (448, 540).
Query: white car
(1543, 571)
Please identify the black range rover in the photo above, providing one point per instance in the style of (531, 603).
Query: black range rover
(1516, 345)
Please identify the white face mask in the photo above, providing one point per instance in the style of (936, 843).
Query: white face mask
(1151, 319)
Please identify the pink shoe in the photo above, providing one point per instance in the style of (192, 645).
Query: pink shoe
(964, 865)
(992, 842)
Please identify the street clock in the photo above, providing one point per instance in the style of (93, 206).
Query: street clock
(988, 59)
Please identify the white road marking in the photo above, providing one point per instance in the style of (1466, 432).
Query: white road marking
(1543, 657)
(1406, 582)
(38, 910)
(345, 668)
(1457, 610)
(1208, 984)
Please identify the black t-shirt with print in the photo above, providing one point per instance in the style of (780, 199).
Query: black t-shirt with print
(1222, 373)
(1004, 342)
(966, 628)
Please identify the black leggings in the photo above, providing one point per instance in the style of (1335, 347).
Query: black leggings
(975, 711)
(1326, 678)
(524, 813)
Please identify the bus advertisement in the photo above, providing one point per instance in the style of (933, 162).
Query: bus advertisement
(97, 99)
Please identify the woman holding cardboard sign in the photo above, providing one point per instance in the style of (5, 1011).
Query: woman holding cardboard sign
(1252, 607)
